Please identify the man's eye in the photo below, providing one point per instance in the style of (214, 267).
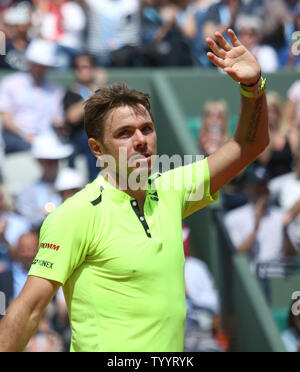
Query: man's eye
(124, 133)
(147, 129)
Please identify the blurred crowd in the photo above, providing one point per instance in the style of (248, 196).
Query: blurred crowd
(150, 33)
(40, 117)
(262, 204)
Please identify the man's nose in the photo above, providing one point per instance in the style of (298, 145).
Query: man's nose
(139, 139)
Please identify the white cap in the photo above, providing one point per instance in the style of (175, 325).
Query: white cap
(48, 146)
(18, 15)
(69, 179)
(42, 52)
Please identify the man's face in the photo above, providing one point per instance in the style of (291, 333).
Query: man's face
(38, 71)
(132, 133)
(274, 116)
(49, 169)
(248, 37)
(84, 70)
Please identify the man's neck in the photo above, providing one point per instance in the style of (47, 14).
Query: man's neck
(139, 195)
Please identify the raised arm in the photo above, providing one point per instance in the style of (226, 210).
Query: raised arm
(24, 314)
(252, 133)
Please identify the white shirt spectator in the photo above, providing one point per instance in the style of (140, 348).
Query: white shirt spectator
(16, 227)
(290, 192)
(34, 108)
(112, 24)
(200, 285)
(35, 201)
(266, 57)
(240, 223)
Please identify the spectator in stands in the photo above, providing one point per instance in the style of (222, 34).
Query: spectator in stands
(112, 24)
(22, 259)
(89, 78)
(215, 127)
(69, 181)
(17, 262)
(292, 111)
(220, 16)
(284, 145)
(213, 134)
(214, 16)
(29, 104)
(12, 227)
(17, 23)
(63, 22)
(292, 232)
(291, 336)
(36, 201)
(256, 229)
(198, 45)
(168, 29)
(249, 29)
(289, 53)
(277, 20)
(203, 307)
(286, 189)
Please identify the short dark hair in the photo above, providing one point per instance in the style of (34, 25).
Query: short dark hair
(98, 106)
(91, 58)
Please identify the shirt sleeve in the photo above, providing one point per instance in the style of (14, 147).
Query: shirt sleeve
(64, 242)
(192, 185)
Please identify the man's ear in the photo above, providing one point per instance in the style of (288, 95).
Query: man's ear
(96, 147)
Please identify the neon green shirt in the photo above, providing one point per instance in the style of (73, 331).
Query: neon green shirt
(123, 271)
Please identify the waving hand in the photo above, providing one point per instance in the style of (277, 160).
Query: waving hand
(234, 58)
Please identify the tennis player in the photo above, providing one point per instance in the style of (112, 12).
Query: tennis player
(117, 251)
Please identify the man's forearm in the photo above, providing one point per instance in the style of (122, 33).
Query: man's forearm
(252, 131)
(17, 327)
(250, 139)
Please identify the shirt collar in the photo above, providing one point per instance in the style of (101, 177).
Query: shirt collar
(118, 194)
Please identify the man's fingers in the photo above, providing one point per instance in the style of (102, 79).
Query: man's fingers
(219, 62)
(215, 48)
(224, 44)
(233, 38)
